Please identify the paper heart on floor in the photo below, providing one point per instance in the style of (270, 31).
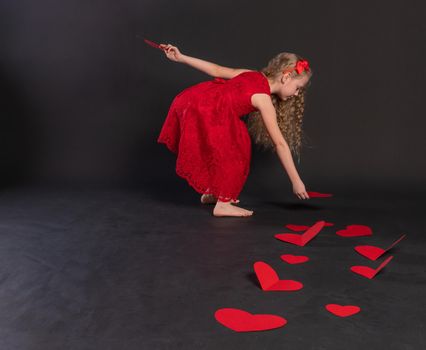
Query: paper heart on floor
(269, 280)
(243, 321)
(313, 194)
(301, 240)
(294, 259)
(373, 253)
(368, 272)
(343, 310)
(304, 227)
(355, 231)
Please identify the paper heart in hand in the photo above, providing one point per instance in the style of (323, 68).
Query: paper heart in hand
(373, 253)
(368, 271)
(153, 44)
(355, 231)
(343, 310)
(269, 280)
(243, 321)
(303, 227)
(312, 194)
(294, 259)
(304, 238)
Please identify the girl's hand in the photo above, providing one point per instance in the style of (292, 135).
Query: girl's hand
(172, 52)
(299, 190)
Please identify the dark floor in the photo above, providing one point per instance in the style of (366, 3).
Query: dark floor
(125, 269)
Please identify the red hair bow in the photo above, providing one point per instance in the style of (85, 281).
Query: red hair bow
(301, 66)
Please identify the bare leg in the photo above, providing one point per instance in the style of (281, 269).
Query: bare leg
(227, 209)
(210, 199)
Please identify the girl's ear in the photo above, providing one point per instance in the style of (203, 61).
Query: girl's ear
(285, 77)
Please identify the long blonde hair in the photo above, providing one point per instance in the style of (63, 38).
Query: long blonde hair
(289, 113)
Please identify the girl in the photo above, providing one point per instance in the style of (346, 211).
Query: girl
(213, 146)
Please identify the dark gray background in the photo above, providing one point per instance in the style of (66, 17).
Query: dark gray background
(84, 98)
(83, 101)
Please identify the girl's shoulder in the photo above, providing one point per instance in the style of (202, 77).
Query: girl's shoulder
(254, 78)
(247, 73)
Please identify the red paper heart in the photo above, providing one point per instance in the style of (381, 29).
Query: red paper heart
(297, 227)
(301, 240)
(368, 272)
(355, 231)
(243, 321)
(304, 227)
(373, 253)
(369, 251)
(294, 259)
(313, 194)
(343, 311)
(153, 44)
(269, 280)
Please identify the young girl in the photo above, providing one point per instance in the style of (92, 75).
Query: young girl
(203, 125)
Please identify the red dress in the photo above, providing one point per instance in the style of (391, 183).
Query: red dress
(204, 128)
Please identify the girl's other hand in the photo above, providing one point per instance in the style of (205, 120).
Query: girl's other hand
(172, 52)
(299, 190)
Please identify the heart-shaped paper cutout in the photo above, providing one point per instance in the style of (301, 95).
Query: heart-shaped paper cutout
(299, 228)
(368, 272)
(269, 280)
(313, 194)
(301, 240)
(369, 251)
(373, 253)
(294, 259)
(243, 321)
(355, 231)
(343, 310)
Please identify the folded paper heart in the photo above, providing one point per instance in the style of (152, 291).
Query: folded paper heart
(313, 194)
(294, 259)
(368, 272)
(343, 310)
(269, 280)
(301, 240)
(355, 231)
(373, 253)
(243, 321)
(153, 44)
(303, 227)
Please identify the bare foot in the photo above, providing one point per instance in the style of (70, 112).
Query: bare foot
(210, 199)
(227, 209)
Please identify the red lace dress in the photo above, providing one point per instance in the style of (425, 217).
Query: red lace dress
(204, 128)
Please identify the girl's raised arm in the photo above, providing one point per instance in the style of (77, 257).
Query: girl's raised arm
(210, 68)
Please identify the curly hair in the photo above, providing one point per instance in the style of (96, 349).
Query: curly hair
(289, 112)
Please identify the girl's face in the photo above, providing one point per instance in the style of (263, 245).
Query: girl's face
(291, 86)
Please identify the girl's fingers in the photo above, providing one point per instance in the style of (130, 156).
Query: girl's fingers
(302, 196)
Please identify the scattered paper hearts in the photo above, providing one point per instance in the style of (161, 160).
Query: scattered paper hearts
(304, 227)
(373, 253)
(368, 272)
(294, 259)
(343, 310)
(243, 321)
(355, 231)
(269, 280)
(313, 194)
(301, 240)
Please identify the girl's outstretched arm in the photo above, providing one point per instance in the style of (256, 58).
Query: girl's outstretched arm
(264, 104)
(210, 68)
